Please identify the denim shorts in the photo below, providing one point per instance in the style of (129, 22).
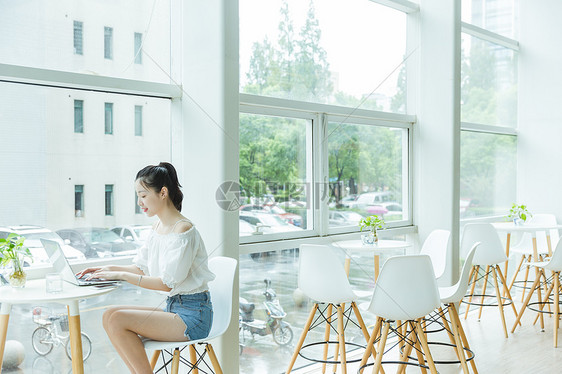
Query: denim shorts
(195, 310)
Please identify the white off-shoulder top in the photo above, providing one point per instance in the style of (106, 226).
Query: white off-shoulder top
(180, 260)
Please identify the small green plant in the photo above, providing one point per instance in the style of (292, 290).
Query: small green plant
(13, 251)
(519, 212)
(372, 223)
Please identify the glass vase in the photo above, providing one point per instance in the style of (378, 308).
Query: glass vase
(370, 237)
(17, 276)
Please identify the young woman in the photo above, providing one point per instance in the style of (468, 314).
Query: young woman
(174, 260)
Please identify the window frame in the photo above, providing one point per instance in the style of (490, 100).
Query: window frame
(319, 115)
(108, 121)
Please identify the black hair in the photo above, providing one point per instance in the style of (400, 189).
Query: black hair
(162, 175)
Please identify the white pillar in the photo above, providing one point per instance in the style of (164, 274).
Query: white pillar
(209, 156)
(437, 133)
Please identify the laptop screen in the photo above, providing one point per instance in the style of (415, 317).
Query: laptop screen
(59, 261)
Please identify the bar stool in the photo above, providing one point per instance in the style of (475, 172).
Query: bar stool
(450, 297)
(323, 279)
(489, 254)
(438, 248)
(555, 266)
(406, 290)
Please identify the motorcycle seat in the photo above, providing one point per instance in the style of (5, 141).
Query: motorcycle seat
(247, 307)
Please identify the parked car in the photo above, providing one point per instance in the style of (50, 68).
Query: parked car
(344, 218)
(348, 200)
(245, 228)
(268, 223)
(133, 233)
(98, 242)
(293, 219)
(33, 235)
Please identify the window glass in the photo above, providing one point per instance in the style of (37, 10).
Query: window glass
(108, 43)
(488, 83)
(108, 118)
(488, 174)
(78, 39)
(273, 175)
(80, 36)
(367, 172)
(304, 51)
(138, 120)
(108, 199)
(499, 16)
(57, 171)
(138, 45)
(79, 116)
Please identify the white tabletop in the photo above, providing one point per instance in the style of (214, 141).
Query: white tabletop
(35, 291)
(381, 245)
(525, 227)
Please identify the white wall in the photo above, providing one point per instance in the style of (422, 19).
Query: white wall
(540, 115)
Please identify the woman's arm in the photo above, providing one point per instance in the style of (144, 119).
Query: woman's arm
(137, 278)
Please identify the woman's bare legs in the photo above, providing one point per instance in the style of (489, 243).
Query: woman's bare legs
(124, 325)
(106, 316)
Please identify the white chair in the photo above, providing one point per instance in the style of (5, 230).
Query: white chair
(438, 248)
(450, 297)
(525, 247)
(220, 288)
(489, 254)
(323, 279)
(406, 290)
(555, 266)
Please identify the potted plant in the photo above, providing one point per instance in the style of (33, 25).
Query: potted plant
(518, 214)
(13, 252)
(371, 223)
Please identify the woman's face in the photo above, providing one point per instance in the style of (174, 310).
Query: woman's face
(149, 200)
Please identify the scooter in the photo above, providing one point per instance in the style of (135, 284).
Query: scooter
(281, 331)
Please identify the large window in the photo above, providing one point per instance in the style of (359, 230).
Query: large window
(498, 16)
(327, 52)
(108, 118)
(108, 43)
(78, 38)
(79, 116)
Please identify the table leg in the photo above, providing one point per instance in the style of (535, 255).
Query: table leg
(549, 245)
(507, 244)
(75, 337)
(537, 274)
(376, 267)
(4, 318)
(347, 264)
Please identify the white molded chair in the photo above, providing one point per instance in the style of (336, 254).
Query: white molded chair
(406, 290)
(489, 254)
(323, 279)
(450, 297)
(220, 288)
(438, 248)
(525, 247)
(555, 266)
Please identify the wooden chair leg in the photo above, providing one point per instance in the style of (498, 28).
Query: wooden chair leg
(341, 339)
(458, 343)
(176, 361)
(525, 303)
(382, 344)
(499, 298)
(455, 314)
(527, 269)
(545, 298)
(303, 336)
(423, 341)
(327, 336)
(361, 322)
(484, 291)
(473, 273)
(448, 329)
(407, 349)
(516, 272)
(506, 291)
(154, 359)
(213, 358)
(419, 350)
(193, 358)
(370, 344)
(556, 306)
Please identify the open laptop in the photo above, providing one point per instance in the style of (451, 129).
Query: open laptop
(61, 266)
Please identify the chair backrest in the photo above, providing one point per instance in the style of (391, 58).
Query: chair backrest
(555, 263)
(437, 247)
(545, 219)
(406, 288)
(322, 276)
(462, 285)
(490, 251)
(221, 289)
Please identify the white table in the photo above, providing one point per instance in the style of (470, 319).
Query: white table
(34, 292)
(382, 246)
(510, 227)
